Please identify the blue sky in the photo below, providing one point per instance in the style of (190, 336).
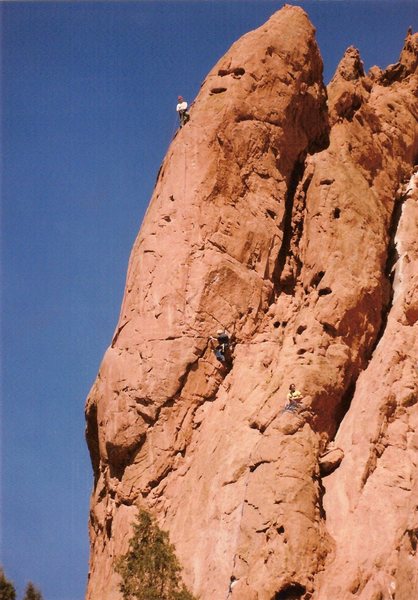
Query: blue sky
(88, 94)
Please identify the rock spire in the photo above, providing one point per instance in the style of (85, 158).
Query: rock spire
(283, 213)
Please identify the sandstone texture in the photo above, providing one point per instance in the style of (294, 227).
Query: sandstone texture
(288, 214)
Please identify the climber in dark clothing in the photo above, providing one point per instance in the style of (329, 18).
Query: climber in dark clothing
(223, 340)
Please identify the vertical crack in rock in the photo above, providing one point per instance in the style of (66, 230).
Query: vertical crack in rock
(344, 404)
(389, 273)
(287, 286)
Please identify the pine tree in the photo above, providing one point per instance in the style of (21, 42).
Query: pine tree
(32, 593)
(150, 569)
(7, 590)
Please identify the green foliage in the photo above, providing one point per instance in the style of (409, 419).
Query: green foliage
(32, 593)
(150, 569)
(7, 590)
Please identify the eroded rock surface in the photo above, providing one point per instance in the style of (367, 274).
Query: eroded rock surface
(289, 221)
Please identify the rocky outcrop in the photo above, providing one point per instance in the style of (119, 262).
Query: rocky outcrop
(287, 220)
(330, 460)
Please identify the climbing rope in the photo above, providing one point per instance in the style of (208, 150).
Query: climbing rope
(173, 129)
(185, 172)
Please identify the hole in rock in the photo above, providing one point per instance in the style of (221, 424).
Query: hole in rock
(271, 213)
(300, 329)
(317, 278)
(413, 538)
(109, 528)
(324, 291)
(276, 324)
(263, 175)
(218, 90)
(280, 529)
(336, 213)
(92, 434)
(409, 400)
(330, 329)
(238, 72)
(301, 351)
(292, 591)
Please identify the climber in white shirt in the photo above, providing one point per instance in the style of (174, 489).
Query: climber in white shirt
(182, 110)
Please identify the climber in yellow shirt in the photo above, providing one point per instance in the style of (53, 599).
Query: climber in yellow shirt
(294, 398)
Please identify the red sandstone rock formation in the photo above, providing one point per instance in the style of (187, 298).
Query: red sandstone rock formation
(288, 221)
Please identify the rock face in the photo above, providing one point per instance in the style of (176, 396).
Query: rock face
(283, 214)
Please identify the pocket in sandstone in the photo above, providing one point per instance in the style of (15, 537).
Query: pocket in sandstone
(218, 90)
